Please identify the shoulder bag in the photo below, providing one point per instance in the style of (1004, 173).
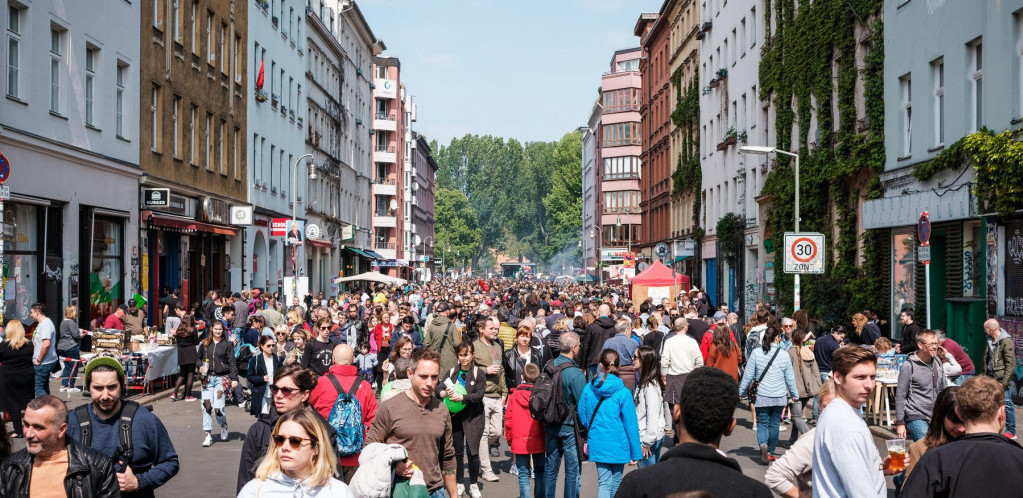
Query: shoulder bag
(756, 384)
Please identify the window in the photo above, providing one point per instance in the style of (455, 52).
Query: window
(381, 72)
(938, 75)
(156, 121)
(120, 96)
(211, 50)
(906, 86)
(157, 14)
(209, 141)
(13, 50)
(56, 65)
(621, 134)
(221, 147)
(225, 68)
(1018, 23)
(237, 146)
(616, 168)
(90, 84)
(195, 27)
(975, 76)
(176, 126)
(178, 36)
(193, 140)
(238, 58)
(742, 36)
(753, 27)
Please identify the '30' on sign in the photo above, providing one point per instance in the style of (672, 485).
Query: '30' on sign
(804, 252)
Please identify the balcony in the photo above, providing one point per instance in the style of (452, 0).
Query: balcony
(621, 108)
(388, 253)
(622, 142)
(384, 219)
(385, 121)
(384, 187)
(384, 154)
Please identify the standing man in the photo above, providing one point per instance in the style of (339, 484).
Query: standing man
(342, 375)
(845, 459)
(443, 336)
(983, 462)
(625, 345)
(358, 333)
(51, 463)
(145, 459)
(241, 316)
(999, 363)
(910, 329)
(597, 333)
(697, 327)
(134, 319)
(44, 342)
(562, 440)
(921, 378)
(489, 357)
(419, 421)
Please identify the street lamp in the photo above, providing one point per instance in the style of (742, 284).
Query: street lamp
(294, 208)
(761, 150)
(596, 234)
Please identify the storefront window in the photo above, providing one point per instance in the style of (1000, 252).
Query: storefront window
(106, 275)
(21, 255)
(903, 278)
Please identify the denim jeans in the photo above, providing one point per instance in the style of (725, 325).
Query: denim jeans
(67, 377)
(43, 378)
(962, 378)
(561, 443)
(439, 493)
(655, 454)
(522, 463)
(1010, 414)
(609, 477)
(213, 392)
(916, 429)
(768, 421)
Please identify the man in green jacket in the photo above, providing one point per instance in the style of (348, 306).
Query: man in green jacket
(1000, 362)
(443, 335)
(489, 355)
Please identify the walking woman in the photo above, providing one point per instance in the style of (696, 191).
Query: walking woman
(382, 332)
(724, 353)
(261, 371)
(808, 380)
(776, 384)
(188, 340)
(17, 374)
(649, 404)
(403, 348)
(219, 375)
(299, 338)
(520, 354)
(68, 349)
(607, 411)
(299, 461)
(467, 424)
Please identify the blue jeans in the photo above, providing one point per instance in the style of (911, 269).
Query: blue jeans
(522, 462)
(439, 493)
(916, 429)
(1010, 414)
(43, 378)
(655, 453)
(962, 378)
(768, 421)
(609, 477)
(67, 378)
(560, 443)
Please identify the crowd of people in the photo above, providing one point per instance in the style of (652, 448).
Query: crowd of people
(426, 381)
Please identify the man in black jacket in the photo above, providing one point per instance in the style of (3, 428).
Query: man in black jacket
(602, 329)
(983, 462)
(703, 416)
(86, 473)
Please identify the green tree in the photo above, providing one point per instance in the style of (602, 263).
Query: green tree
(563, 204)
(457, 229)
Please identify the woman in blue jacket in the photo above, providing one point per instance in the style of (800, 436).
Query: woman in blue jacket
(771, 367)
(606, 409)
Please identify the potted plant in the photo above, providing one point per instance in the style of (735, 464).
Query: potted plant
(284, 110)
(274, 98)
(722, 73)
(260, 96)
(275, 20)
(730, 136)
(263, 4)
(300, 121)
(291, 114)
(742, 136)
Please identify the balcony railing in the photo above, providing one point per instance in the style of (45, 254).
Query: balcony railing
(385, 148)
(383, 181)
(621, 108)
(383, 244)
(622, 141)
(385, 116)
(384, 212)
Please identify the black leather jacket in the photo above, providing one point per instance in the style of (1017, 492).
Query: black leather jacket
(89, 474)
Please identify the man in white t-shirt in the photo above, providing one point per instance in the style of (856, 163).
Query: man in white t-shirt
(44, 342)
(845, 459)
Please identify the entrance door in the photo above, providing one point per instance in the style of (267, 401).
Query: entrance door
(711, 282)
(936, 304)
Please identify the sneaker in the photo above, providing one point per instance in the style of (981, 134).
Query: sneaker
(765, 457)
(461, 490)
(223, 433)
(73, 390)
(63, 389)
(474, 491)
(190, 398)
(514, 471)
(783, 428)
(489, 477)
(208, 441)
(532, 474)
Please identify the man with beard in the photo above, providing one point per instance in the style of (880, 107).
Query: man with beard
(442, 335)
(144, 459)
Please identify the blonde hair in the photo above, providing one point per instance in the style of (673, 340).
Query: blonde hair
(324, 461)
(827, 389)
(294, 317)
(882, 345)
(71, 312)
(15, 333)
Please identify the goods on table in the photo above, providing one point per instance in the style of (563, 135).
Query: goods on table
(109, 341)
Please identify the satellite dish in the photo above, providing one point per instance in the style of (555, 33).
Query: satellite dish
(394, 204)
(417, 240)
(415, 187)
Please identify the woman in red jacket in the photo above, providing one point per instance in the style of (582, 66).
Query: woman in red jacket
(525, 434)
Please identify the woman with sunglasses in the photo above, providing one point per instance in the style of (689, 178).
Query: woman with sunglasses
(290, 391)
(261, 370)
(299, 461)
(319, 351)
(403, 348)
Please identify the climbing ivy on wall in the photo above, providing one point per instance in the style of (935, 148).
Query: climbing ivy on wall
(798, 61)
(688, 176)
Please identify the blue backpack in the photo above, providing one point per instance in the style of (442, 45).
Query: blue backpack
(346, 419)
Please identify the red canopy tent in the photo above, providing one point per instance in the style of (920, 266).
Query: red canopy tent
(658, 281)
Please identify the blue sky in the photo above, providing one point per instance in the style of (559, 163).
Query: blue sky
(525, 69)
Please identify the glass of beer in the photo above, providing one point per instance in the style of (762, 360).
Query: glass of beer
(897, 452)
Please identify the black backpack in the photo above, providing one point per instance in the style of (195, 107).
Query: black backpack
(547, 403)
(125, 448)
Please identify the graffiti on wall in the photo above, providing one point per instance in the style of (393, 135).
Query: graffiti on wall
(72, 282)
(992, 267)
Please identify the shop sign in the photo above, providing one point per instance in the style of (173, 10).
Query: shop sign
(215, 210)
(241, 215)
(156, 198)
(390, 263)
(612, 254)
(312, 231)
(684, 248)
(348, 232)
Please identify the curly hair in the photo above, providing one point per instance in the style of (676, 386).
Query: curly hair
(708, 402)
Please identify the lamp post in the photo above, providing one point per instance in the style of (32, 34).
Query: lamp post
(294, 209)
(598, 260)
(763, 151)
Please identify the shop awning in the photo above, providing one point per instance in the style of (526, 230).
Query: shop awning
(185, 224)
(320, 243)
(374, 255)
(360, 253)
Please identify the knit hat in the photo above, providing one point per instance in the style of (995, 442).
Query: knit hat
(104, 361)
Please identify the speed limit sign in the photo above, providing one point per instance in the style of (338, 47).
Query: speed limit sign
(804, 253)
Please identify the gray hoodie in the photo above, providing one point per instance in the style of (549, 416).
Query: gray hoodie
(919, 385)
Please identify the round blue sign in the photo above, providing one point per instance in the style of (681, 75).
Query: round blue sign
(923, 229)
(5, 168)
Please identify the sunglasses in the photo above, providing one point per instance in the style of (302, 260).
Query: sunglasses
(287, 392)
(293, 441)
(325, 327)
